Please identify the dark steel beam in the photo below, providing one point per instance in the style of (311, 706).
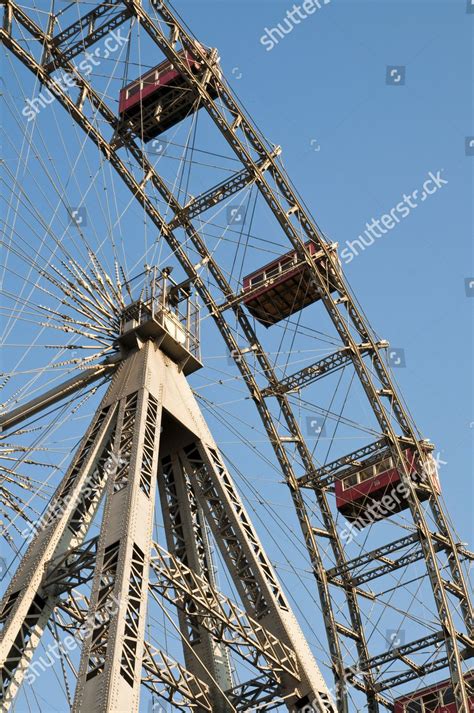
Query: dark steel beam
(309, 374)
(401, 651)
(406, 676)
(215, 195)
(87, 20)
(93, 35)
(388, 566)
(260, 694)
(379, 553)
(404, 561)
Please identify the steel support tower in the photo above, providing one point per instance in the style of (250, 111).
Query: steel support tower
(150, 427)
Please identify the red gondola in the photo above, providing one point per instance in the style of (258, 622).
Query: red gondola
(436, 699)
(283, 286)
(375, 490)
(161, 98)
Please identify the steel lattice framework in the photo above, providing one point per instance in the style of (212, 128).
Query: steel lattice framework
(184, 576)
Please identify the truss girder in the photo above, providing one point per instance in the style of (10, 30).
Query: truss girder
(71, 569)
(210, 609)
(227, 516)
(259, 694)
(407, 559)
(63, 40)
(219, 614)
(172, 682)
(387, 565)
(114, 650)
(399, 652)
(310, 374)
(380, 552)
(163, 676)
(408, 675)
(214, 196)
(146, 385)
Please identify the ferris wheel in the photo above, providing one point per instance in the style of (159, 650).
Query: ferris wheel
(213, 496)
